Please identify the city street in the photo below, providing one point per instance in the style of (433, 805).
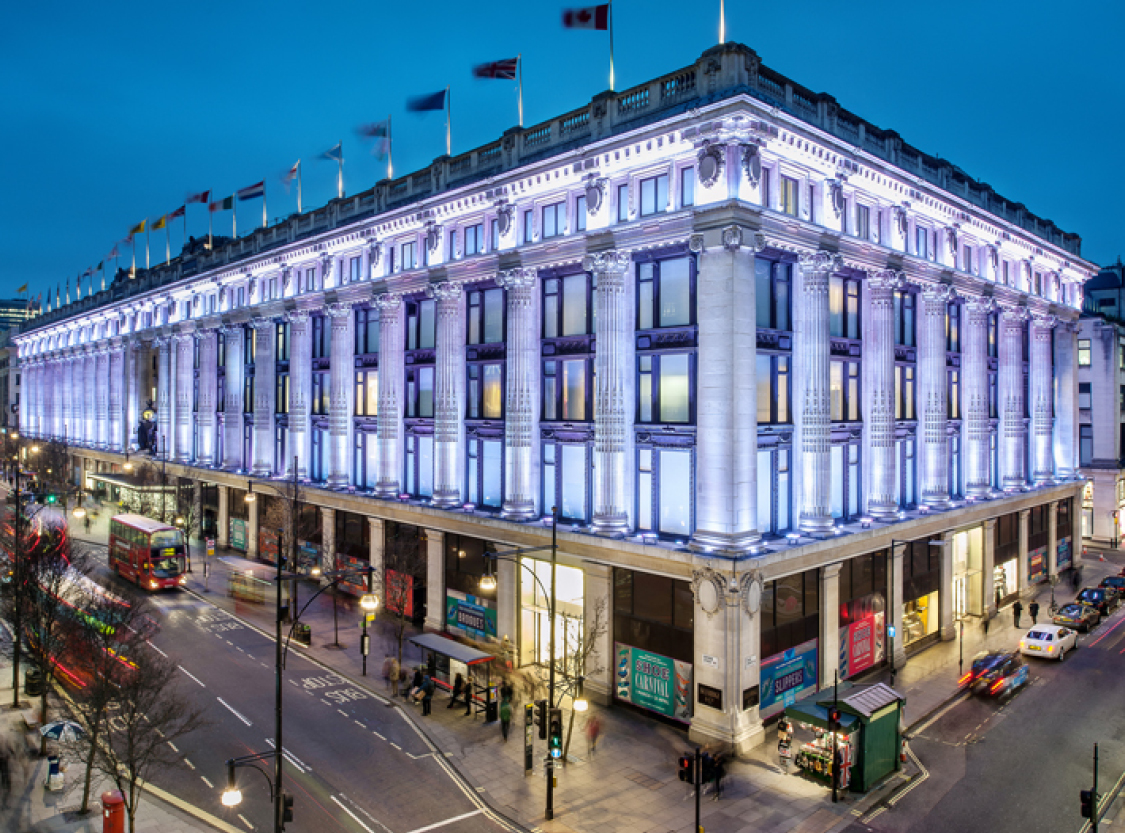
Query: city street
(1018, 766)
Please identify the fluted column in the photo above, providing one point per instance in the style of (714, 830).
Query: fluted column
(878, 374)
(130, 407)
(265, 380)
(521, 394)
(101, 391)
(233, 399)
(935, 396)
(184, 391)
(1066, 404)
(342, 373)
(811, 343)
(1012, 431)
(1042, 382)
(164, 389)
(448, 398)
(89, 398)
(391, 345)
(70, 403)
(300, 389)
(974, 380)
(207, 401)
(612, 405)
(48, 397)
(116, 397)
(726, 468)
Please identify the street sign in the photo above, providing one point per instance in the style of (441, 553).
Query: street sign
(528, 737)
(210, 546)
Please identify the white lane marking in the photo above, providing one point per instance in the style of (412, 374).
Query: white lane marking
(159, 733)
(234, 711)
(210, 786)
(436, 825)
(244, 821)
(380, 737)
(300, 765)
(190, 765)
(358, 723)
(190, 675)
(174, 749)
(357, 819)
(344, 713)
(156, 649)
(414, 726)
(396, 746)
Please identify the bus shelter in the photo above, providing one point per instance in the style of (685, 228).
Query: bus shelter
(444, 658)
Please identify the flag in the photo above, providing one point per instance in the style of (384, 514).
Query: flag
(22, 289)
(225, 204)
(288, 177)
(179, 212)
(505, 69)
(159, 224)
(424, 103)
(334, 154)
(591, 17)
(98, 268)
(375, 130)
(114, 253)
(201, 197)
(251, 192)
(139, 228)
(89, 273)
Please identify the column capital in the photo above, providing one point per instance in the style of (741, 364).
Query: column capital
(612, 262)
(980, 304)
(1024, 513)
(990, 523)
(444, 291)
(1043, 320)
(261, 323)
(232, 330)
(388, 301)
(517, 278)
(297, 316)
(1014, 316)
(820, 261)
(937, 293)
(830, 571)
(338, 310)
(886, 279)
(732, 238)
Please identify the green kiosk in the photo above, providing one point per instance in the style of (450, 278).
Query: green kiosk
(867, 742)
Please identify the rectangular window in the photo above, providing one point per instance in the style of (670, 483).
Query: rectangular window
(967, 258)
(773, 489)
(904, 391)
(580, 213)
(921, 242)
(420, 392)
(281, 349)
(953, 328)
(474, 239)
(420, 325)
(367, 393)
(789, 196)
(623, 203)
(554, 220)
(771, 294)
(1083, 352)
(452, 246)
(282, 403)
(904, 318)
(1085, 397)
(654, 195)
(353, 269)
(1120, 353)
(321, 337)
(528, 226)
(844, 391)
(486, 391)
(664, 293)
(485, 472)
(566, 306)
(773, 389)
(486, 316)
(954, 394)
(664, 388)
(565, 387)
(843, 301)
(862, 222)
(687, 187)
(765, 187)
(408, 257)
(1007, 273)
(1085, 444)
(493, 235)
(366, 331)
(564, 480)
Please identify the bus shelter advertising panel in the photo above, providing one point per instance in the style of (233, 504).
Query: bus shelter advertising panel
(788, 676)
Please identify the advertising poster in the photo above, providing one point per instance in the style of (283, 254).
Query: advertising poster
(653, 681)
(1037, 565)
(238, 534)
(469, 615)
(1065, 559)
(400, 593)
(862, 645)
(787, 676)
(268, 544)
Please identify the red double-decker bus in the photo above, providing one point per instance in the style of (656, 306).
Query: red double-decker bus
(147, 552)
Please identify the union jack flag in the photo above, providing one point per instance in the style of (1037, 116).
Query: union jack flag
(505, 70)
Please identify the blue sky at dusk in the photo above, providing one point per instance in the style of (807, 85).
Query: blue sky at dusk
(113, 112)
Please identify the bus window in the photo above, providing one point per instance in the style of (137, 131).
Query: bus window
(165, 563)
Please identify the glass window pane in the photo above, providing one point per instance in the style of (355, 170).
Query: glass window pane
(574, 481)
(574, 305)
(836, 391)
(783, 389)
(372, 449)
(765, 393)
(783, 490)
(373, 393)
(425, 392)
(781, 299)
(550, 316)
(493, 316)
(765, 491)
(837, 481)
(426, 329)
(675, 492)
(493, 392)
(644, 302)
(644, 500)
(426, 466)
(491, 462)
(473, 494)
(648, 196)
(644, 395)
(574, 389)
(675, 391)
(763, 296)
(836, 306)
(675, 292)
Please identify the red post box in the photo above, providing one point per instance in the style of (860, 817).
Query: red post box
(113, 812)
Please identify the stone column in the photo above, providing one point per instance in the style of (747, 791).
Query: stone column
(934, 398)
(1021, 564)
(206, 415)
(391, 345)
(252, 530)
(222, 534)
(726, 469)
(300, 389)
(829, 624)
(879, 377)
(1053, 540)
(435, 580)
(376, 530)
(163, 391)
(185, 390)
(946, 626)
(521, 405)
(449, 382)
(67, 384)
(974, 386)
(90, 383)
(1066, 404)
(898, 657)
(130, 407)
(1041, 383)
(233, 397)
(101, 391)
(327, 539)
(1012, 432)
(811, 341)
(265, 382)
(988, 568)
(116, 399)
(342, 382)
(597, 602)
(613, 407)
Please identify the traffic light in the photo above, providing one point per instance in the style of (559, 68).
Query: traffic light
(555, 734)
(52, 498)
(1086, 801)
(541, 718)
(833, 719)
(686, 769)
(286, 807)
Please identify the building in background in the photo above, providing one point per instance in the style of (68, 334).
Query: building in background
(803, 395)
(15, 312)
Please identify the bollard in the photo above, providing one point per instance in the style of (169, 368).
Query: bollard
(113, 812)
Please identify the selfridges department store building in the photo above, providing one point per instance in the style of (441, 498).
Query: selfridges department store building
(789, 381)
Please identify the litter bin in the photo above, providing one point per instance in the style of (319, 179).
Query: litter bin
(302, 633)
(33, 682)
(113, 812)
(54, 774)
(491, 711)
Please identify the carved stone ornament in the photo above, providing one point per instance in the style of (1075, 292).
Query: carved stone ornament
(994, 258)
(836, 189)
(732, 237)
(752, 164)
(695, 243)
(613, 261)
(374, 252)
(286, 277)
(708, 588)
(951, 238)
(327, 269)
(516, 278)
(750, 592)
(433, 236)
(595, 193)
(710, 164)
(504, 217)
(901, 218)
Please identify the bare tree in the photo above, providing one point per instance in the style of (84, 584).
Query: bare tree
(285, 515)
(189, 514)
(142, 498)
(404, 570)
(145, 718)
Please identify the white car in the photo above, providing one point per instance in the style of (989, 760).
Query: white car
(1049, 641)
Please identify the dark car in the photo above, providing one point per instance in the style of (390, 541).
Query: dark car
(997, 673)
(1103, 598)
(1116, 582)
(1077, 615)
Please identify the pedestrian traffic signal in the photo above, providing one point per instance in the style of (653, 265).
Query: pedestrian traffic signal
(555, 734)
(541, 718)
(833, 719)
(1086, 800)
(686, 769)
(286, 807)
(52, 499)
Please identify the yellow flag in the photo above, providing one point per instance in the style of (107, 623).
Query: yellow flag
(139, 228)
(22, 289)
(159, 224)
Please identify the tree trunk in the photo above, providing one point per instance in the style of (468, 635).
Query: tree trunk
(85, 808)
(43, 715)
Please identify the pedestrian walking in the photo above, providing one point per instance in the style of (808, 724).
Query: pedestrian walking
(505, 718)
(1033, 609)
(415, 683)
(1017, 609)
(458, 690)
(5, 775)
(387, 660)
(720, 772)
(593, 732)
(428, 687)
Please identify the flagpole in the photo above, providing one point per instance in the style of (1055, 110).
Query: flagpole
(340, 173)
(234, 218)
(264, 223)
(148, 263)
(167, 243)
(298, 186)
(448, 128)
(390, 164)
(185, 225)
(210, 222)
(611, 82)
(722, 22)
(519, 84)
(133, 246)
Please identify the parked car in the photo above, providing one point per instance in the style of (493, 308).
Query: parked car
(1049, 641)
(1077, 615)
(998, 673)
(1105, 599)
(1116, 582)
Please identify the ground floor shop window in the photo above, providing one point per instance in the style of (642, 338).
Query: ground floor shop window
(1005, 579)
(1037, 565)
(790, 623)
(535, 619)
(863, 613)
(968, 557)
(920, 618)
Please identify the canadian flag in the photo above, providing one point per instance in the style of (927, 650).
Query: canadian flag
(591, 17)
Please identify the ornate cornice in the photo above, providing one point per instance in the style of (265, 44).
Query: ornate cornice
(614, 260)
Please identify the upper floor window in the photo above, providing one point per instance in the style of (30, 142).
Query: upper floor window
(486, 316)
(953, 328)
(474, 239)
(862, 222)
(967, 258)
(1006, 271)
(528, 226)
(1121, 352)
(366, 331)
(789, 202)
(353, 269)
(654, 195)
(904, 317)
(954, 401)
(554, 220)
(1038, 287)
(486, 391)
(282, 346)
(664, 293)
(567, 306)
(367, 393)
(321, 337)
(687, 187)
(772, 283)
(1083, 352)
(773, 389)
(1085, 395)
(566, 388)
(452, 244)
(420, 391)
(993, 334)
(843, 300)
(623, 203)
(664, 387)
(409, 260)
(844, 391)
(922, 241)
(420, 325)
(493, 235)
(904, 391)
(580, 212)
